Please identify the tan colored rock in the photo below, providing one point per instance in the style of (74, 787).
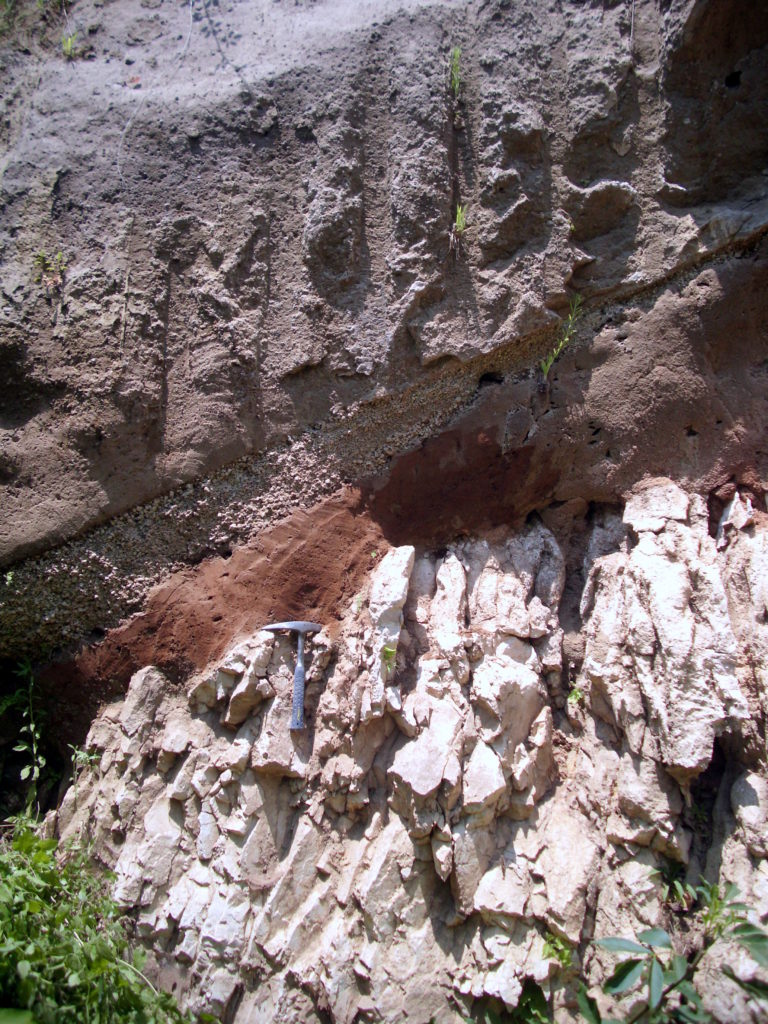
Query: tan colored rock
(502, 893)
(442, 855)
(510, 694)
(389, 590)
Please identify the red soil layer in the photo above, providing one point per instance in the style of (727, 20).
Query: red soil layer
(307, 567)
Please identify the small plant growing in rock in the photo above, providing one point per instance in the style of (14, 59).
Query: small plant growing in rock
(565, 337)
(460, 222)
(677, 893)
(29, 738)
(667, 978)
(455, 71)
(558, 949)
(458, 228)
(82, 760)
(388, 655)
(575, 697)
(50, 269)
(68, 47)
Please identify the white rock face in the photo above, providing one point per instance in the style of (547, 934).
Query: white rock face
(408, 853)
(389, 590)
(660, 649)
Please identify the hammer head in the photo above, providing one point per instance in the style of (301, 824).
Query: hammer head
(294, 627)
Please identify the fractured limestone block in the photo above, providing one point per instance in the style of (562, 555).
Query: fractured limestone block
(389, 590)
(484, 782)
(749, 802)
(145, 692)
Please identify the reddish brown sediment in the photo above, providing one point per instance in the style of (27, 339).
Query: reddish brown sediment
(309, 566)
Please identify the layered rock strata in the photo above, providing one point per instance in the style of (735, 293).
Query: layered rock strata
(261, 300)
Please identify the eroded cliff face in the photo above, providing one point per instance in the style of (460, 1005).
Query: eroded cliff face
(272, 383)
(448, 806)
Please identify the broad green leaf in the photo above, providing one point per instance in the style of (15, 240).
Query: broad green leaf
(655, 937)
(615, 945)
(692, 1015)
(23, 967)
(677, 968)
(626, 975)
(15, 1016)
(655, 984)
(754, 940)
(746, 928)
(25, 772)
(588, 1007)
(756, 988)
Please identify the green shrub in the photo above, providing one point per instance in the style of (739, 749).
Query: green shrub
(64, 953)
(664, 980)
(23, 705)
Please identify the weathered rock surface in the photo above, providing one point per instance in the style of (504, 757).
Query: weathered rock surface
(444, 835)
(261, 301)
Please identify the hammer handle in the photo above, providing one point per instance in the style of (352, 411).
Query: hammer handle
(297, 711)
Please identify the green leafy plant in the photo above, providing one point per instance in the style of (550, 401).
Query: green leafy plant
(558, 949)
(64, 953)
(531, 1009)
(455, 71)
(50, 269)
(68, 47)
(575, 696)
(675, 891)
(81, 760)
(8, 10)
(565, 336)
(29, 739)
(458, 228)
(460, 222)
(668, 979)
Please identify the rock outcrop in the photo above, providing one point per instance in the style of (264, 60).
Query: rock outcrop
(252, 367)
(447, 808)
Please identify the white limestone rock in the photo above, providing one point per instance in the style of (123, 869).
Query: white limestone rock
(653, 504)
(246, 696)
(448, 615)
(749, 802)
(145, 693)
(420, 765)
(389, 589)
(484, 782)
(509, 695)
(502, 892)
